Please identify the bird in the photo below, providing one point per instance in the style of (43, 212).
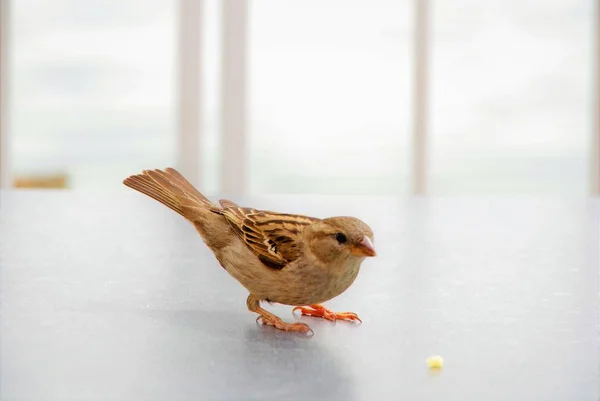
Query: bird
(282, 258)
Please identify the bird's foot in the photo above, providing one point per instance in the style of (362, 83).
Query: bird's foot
(321, 311)
(281, 325)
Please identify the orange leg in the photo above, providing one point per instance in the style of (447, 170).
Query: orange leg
(321, 311)
(281, 325)
(271, 320)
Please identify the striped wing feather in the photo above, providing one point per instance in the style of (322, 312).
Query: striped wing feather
(274, 237)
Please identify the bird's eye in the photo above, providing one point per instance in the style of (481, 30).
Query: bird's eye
(341, 238)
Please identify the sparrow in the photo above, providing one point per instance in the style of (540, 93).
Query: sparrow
(282, 258)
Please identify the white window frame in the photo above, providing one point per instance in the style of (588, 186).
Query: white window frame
(420, 98)
(189, 98)
(5, 176)
(595, 148)
(234, 72)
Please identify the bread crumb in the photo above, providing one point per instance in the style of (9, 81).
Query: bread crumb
(435, 362)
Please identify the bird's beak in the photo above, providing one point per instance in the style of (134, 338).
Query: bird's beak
(364, 248)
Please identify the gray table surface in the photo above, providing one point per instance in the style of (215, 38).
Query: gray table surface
(112, 296)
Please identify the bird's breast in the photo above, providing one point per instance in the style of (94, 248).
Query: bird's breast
(309, 284)
(302, 282)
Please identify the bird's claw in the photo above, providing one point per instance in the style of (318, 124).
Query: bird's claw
(281, 325)
(321, 311)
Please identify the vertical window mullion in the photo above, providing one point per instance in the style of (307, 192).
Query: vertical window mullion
(420, 96)
(189, 88)
(233, 96)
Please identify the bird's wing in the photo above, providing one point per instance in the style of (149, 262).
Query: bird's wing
(274, 237)
(225, 203)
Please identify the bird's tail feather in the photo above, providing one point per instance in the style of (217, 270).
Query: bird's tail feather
(171, 189)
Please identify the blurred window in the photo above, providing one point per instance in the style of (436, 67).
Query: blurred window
(330, 94)
(511, 96)
(330, 85)
(93, 88)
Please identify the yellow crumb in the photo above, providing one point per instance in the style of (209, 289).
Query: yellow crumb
(435, 362)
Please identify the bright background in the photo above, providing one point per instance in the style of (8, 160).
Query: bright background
(93, 94)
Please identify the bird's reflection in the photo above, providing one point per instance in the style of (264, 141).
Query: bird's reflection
(227, 355)
(295, 366)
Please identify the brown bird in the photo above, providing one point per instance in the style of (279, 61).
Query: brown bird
(282, 258)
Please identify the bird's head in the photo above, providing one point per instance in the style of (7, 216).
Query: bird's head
(340, 238)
